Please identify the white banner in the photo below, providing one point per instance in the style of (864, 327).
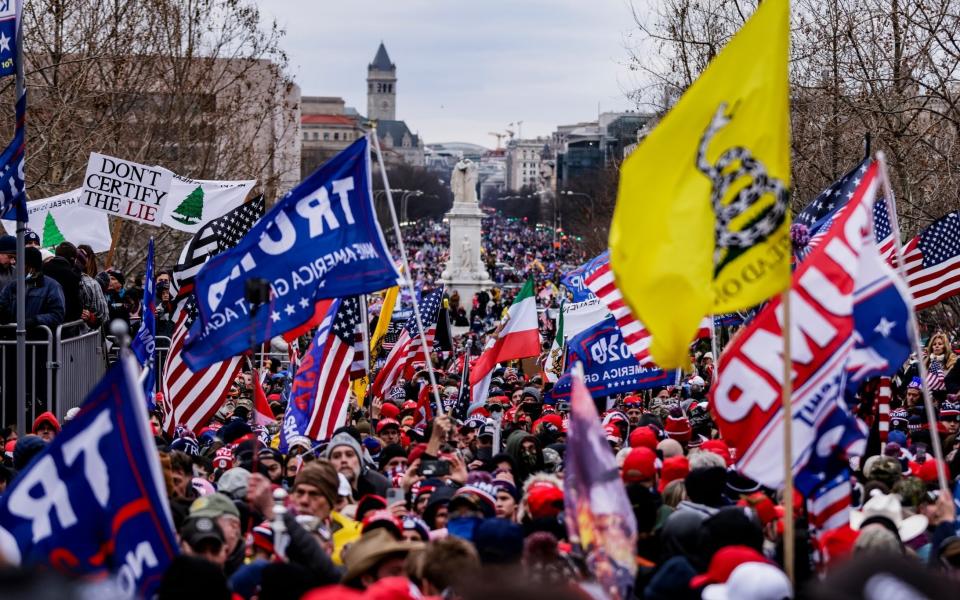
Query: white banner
(65, 218)
(194, 202)
(126, 189)
(578, 316)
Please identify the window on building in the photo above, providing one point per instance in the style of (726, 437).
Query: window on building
(316, 135)
(336, 136)
(326, 135)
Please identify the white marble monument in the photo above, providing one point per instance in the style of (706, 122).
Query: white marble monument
(465, 273)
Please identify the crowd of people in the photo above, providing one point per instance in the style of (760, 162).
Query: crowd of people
(399, 505)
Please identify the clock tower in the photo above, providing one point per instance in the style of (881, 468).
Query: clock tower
(382, 87)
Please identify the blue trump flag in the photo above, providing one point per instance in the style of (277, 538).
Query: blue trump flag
(321, 240)
(93, 502)
(575, 279)
(608, 366)
(145, 343)
(303, 390)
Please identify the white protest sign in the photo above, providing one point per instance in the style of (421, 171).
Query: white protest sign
(578, 316)
(64, 218)
(126, 189)
(194, 202)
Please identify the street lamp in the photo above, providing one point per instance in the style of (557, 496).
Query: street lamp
(587, 196)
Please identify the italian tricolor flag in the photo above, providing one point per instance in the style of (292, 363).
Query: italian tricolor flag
(518, 336)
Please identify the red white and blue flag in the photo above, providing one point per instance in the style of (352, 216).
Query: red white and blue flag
(932, 262)
(849, 320)
(408, 350)
(600, 281)
(829, 507)
(320, 394)
(818, 216)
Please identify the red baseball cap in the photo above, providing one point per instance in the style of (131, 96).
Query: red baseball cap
(643, 437)
(640, 465)
(544, 500)
(675, 467)
(384, 423)
(724, 562)
(389, 410)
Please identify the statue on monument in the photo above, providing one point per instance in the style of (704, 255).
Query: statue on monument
(463, 181)
(466, 260)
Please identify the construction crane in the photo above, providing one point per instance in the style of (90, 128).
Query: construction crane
(499, 137)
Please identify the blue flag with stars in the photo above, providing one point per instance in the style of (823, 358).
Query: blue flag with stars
(321, 240)
(144, 343)
(608, 365)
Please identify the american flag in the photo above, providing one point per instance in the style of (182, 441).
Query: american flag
(408, 350)
(336, 348)
(935, 381)
(818, 215)
(932, 262)
(635, 334)
(192, 398)
(829, 505)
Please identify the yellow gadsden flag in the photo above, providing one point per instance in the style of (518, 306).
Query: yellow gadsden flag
(702, 223)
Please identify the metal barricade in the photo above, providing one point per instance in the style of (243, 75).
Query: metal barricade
(40, 356)
(80, 363)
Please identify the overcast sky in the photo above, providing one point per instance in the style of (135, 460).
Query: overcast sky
(466, 67)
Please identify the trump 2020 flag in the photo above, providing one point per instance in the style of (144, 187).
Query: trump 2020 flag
(597, 511)
(144, 343)
(93, 502)
(702, 222)
(321, 240)
(849, 320)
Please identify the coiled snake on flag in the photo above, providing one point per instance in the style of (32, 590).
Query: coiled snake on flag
(730, 243)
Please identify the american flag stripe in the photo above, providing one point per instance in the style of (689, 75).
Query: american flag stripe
(932, 262)
(333, 385)
(393, 368)
(830, 505)
(635, 335)
(883, 408)
(408, 348)
(192, 398)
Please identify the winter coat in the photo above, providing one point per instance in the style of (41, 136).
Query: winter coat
(61, 271)
(45, 304)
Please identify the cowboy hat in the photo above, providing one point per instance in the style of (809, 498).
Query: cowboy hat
(887, 506)
(364, 554)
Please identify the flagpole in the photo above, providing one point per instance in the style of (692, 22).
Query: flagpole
(713, 339)
(21, 255)
(786, 393)
(365, 332)
(914, 326)
(408, 274)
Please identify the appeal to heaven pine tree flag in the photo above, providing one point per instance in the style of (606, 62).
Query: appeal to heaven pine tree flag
(702, 222)
(195, 202)
(64, 218)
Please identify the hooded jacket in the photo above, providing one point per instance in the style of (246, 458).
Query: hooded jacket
(45, 304)
(524, 467)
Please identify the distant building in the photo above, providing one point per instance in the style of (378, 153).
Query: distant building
(326, 127)
(523, 162)
(382, 87)
(492, 173)
(592, 145)
(398, 142)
